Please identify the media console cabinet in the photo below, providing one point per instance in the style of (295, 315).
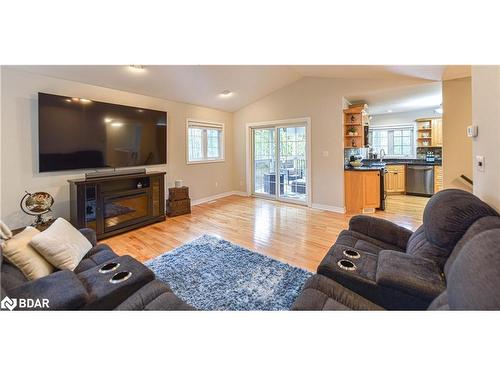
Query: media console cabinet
(115, 204)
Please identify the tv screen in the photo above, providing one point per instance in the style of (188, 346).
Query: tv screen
(76, 133)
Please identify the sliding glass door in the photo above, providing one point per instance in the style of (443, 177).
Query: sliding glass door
(279, 162)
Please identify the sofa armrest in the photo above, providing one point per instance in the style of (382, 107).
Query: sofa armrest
(381, 229)
(62, 290)
(90, 235)
(410, 274)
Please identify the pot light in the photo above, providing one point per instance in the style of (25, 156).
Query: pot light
(107, 120)
(136, 68)
(85, 101)
(226, 93)
(389, 111)
(117, 124)
(67, 100)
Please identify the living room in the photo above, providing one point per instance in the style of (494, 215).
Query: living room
(199, 190)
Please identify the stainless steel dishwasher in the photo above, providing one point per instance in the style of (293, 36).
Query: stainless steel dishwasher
(420, 180)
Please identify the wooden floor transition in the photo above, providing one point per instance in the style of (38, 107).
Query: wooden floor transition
(293, 234)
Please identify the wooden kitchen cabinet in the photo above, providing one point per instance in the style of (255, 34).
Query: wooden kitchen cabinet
(395, 181)
(437, 132)
(362, 191)
(438, 178)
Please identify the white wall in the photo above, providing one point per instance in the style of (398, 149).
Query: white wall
(19, 149)
(486, 115)
(322, 100)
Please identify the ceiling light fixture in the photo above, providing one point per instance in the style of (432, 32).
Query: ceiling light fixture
(389, 111)
(85, 101)
(107, 120)
(226, 93)
(117, 124)
(67, 100)
(136, 68)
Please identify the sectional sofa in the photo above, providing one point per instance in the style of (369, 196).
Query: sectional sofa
(451, 262)
(101, 281)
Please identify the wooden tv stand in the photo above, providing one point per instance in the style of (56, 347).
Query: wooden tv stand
(115, 204)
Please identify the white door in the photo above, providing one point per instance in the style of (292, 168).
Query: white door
(279, 162)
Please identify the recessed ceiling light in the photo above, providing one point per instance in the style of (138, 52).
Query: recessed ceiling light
(67, 100)
(226, 93)
(75, 99)
(136, 68)
(107, 120)
(117, 124)
(85, 101)
(389, 110)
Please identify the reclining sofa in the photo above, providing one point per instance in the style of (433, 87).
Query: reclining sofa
(101, 281)
(379, 265)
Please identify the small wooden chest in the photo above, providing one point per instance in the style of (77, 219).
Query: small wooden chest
(178, 194)
(178, 202)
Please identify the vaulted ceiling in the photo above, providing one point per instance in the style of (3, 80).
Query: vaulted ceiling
(204, 84)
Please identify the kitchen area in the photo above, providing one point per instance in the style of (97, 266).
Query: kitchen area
(395, 162)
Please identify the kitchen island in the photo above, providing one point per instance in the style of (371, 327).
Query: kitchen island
(363, 189)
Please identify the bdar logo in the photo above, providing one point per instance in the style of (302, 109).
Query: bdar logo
(8, 303)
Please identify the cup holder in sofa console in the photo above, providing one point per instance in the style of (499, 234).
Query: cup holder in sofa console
(109, 267)
(346, 265)
(353, 254)
(120, 277)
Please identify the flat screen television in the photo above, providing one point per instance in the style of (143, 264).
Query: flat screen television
(77, 133)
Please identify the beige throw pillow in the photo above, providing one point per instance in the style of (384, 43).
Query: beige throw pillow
(22, 255)
(62, 245)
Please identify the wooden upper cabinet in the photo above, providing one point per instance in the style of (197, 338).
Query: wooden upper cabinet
(355, 120)
(437, 132)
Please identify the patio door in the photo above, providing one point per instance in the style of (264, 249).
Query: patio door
(279, 162)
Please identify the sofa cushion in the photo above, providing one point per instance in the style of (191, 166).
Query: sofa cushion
(321, 293)
(481, 225)
(413, 275)
(62, 245)
(381, 230)
(419, 245)
(440, 302)
(22, 255)
(154, 296)
(12, 276)
(62, 289)
(474, 277)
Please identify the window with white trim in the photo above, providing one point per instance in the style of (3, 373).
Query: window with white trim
(205, 142)
(397, 141)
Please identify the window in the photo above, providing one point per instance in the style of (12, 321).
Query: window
(397, 141)
(205, 142)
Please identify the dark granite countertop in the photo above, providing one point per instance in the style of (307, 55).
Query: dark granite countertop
(404, 161)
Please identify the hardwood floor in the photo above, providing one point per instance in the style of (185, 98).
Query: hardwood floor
(293, 234)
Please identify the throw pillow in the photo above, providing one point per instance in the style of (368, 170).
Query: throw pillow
(21, 254)
(62, 245)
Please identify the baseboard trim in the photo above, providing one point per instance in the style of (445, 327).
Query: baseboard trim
(218, 196)
(324, 207)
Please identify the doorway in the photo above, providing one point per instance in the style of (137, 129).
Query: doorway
(280, 167)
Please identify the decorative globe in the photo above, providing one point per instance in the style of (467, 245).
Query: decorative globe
(37, 204)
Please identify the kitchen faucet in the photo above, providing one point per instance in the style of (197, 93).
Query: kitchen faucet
(382, 154)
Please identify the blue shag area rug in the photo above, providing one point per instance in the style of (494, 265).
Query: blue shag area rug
(213, 274)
